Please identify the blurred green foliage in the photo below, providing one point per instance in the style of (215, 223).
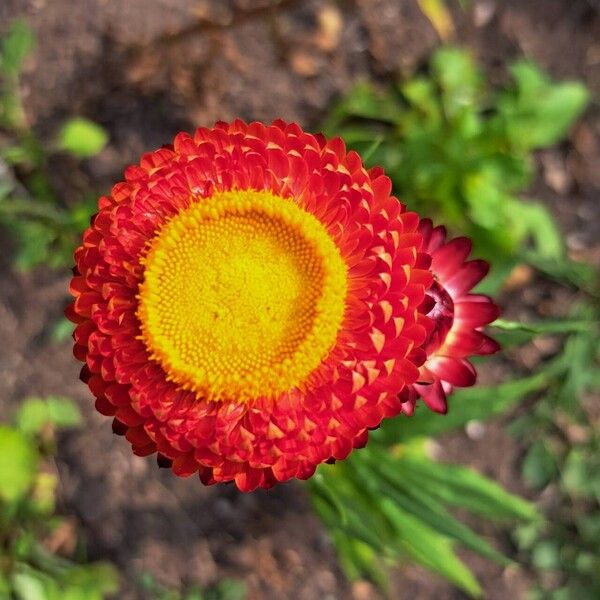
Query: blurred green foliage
(32, 564)
(461, 152)
(40, 555)
(562, 431)
(226, 589)
(45, 228)
(82, 138)
(392, 501)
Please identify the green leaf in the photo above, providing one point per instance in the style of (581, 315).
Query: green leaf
(63, 412)
(499, 272)
(366, 102)
(579, 274)
(44, 495)
(27, 587)
(362, 521)
(348, 561)
(6, 185)
(575, 475)
(61, 330)
(539, 224)
(540, 113)
(422, 94)
(82, 138)
(586, 562)
(509, 339)
(35, 242)
(369, 562)
(370, 151)
(90, 582)
(359, 560)
(539, 466)
(226, 589)
(194, 593)
(463, 486)
(79, 214)
(15, 48)
(459, 79)
(486, 200)
(358, 137)
(546, 555)
(429, 548)
(417, 488)
(18, 464)
(23, 546)
(36, 413)
(30, 584)
(527, 535)
(32, 416)
(588, 526)
(423, 506)
(320, 486)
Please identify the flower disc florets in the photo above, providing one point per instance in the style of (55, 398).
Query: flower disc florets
(247, 303)
(250, 317)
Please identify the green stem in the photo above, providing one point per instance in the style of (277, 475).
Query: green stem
(559, 326)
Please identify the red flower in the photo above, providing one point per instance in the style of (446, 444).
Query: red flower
(457, 318)
(247, 303)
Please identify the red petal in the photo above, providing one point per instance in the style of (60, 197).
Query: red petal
(137, 436)
(456, 371)
(476, 310)
(144, 450)
(489, 345)
(104, 407)
(447, 260)
(71, 315)
(434, 396)
(118, 427)
(436, 239)
(463, 343)
(470, 274)
(185, 465)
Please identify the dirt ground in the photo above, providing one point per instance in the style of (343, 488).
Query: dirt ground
(146, 69)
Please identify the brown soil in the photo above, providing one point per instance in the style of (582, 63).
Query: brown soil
(147, 68)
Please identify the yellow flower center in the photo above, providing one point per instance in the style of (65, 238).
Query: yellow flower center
(243, 296)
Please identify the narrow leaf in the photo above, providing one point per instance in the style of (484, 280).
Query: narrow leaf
(465, 487)
(423, 506)
(429, 548)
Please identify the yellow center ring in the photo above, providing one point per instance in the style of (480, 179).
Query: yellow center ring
(243, 296)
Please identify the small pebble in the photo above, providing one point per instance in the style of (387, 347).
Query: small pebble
(475, 430)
